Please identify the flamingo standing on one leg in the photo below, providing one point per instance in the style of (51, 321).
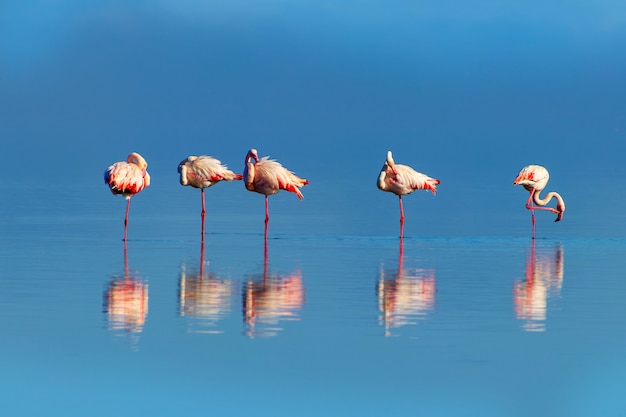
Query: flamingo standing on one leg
(202, 172)
(268, 177)
(127, 178)
(534, 179)
(401, 180)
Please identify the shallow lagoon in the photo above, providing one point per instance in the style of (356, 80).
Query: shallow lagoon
(308, 324)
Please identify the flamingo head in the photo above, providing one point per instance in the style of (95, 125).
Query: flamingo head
(182, 169)
(390, 163)
(135, 158)
(560, 209)
(184, 162)
(252, 154)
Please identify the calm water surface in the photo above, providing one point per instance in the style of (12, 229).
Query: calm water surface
(307, 324)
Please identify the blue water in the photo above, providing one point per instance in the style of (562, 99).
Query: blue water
(320, 321)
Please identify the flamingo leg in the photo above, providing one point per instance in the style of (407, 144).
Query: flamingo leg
(267, 214)
(126, 219)
(203, 213)
(401, 218)
(530, 206)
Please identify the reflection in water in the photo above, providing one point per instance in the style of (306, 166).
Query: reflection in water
(404, 295)
(203, 296)
(270, 299)
(126, 301)
(544, 277)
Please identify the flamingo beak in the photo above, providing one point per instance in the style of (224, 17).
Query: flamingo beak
(392, 167)
(559, 216)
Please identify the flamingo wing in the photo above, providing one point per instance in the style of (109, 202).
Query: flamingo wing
(270, 177)
(207, 170)
(204, 171)
(408, 180)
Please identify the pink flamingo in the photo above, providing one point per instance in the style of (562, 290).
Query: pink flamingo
(127, 178)
(402, 180)
(268, 177)
(202, 172)
(534, 179)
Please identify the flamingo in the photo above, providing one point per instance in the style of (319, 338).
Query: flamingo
(127, 178)
(202, 172)
(266, 176)
(534, 179)
(402, 180)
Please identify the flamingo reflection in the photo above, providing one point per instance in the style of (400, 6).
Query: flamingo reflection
(270, 300)
(544, 278)
(404, 295)
(126, 301)
(203, 296)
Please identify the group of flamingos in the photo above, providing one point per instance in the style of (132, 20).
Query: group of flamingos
(268, 177)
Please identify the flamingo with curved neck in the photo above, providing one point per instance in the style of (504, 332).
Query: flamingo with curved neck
(534, 179)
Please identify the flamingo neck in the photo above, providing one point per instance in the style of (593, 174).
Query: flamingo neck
(248, 174)
(183, 174)
(382, 185)
(543, 201)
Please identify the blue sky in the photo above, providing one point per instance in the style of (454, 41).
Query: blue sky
(468, 92)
